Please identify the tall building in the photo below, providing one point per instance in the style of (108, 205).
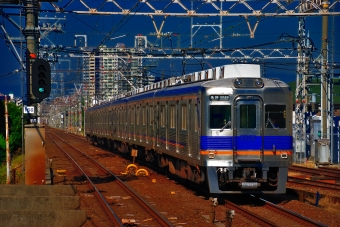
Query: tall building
(109, 71)
(117, 72)
(89, 77)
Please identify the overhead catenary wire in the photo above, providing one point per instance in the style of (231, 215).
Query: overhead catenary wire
(196, 6)
(113, 31)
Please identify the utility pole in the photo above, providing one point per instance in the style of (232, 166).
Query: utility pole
(301, 93)
(32, 35)
(38, 80)
(324, 79)
(8, 154)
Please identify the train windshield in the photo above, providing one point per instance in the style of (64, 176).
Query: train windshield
(275, 116)
(248, 116)
(220, 115)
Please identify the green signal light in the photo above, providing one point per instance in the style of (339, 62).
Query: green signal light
(41, 90)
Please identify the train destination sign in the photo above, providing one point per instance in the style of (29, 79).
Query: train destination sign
(219, 98)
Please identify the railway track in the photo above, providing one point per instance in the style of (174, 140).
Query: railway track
(100, 179)
(330, 170)
(321, 171)
(78, 136)
(316, 184)
(247, 214)
(265, 213)
(240, 218)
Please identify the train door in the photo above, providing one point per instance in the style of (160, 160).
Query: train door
(143, 123)
(177, 123)
(133, 123)
(147, 123)
(156, 125)
(151, 124)
(167, 125)
(125, 122)
(119, 127)
(189, 129)
(130, 122)
(115, 129)
(112, 120)
(137, 122)
(248, 134)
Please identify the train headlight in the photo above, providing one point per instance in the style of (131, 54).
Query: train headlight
(259, 83)
(238, 83)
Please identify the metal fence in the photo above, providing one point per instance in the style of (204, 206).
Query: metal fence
(310, 147)
(17, 175)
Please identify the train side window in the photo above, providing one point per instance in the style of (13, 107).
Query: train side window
(119, 116)
(151, 115)
(220, 115)
(137, 116)
(127, 116)
(113, 116)
(144, 116)
(132, 115)
(196, 118)
(184, 117)
(172, 116)
(275, 116)
(248, 116)
(162, 115)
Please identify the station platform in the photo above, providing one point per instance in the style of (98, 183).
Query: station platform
(40, 205)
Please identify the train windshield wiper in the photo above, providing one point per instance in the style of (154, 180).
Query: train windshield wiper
(228, 124)
(271, 123)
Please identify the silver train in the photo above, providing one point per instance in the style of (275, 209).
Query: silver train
(225, 127)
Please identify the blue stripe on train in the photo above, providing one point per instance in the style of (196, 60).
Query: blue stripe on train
(216, 142)
(246, 142)
(281, 142)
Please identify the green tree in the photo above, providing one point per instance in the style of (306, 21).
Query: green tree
(15, 129)
(15, 137)
(2, 148)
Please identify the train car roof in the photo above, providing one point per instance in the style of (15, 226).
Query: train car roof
(192, 83)
(186, 88)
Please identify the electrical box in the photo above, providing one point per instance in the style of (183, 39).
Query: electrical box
(35, 159)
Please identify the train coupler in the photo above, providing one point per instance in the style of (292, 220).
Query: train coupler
(249, 185)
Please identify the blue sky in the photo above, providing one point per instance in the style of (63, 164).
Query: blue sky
(97, 27)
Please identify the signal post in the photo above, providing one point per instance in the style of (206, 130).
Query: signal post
(38, 80)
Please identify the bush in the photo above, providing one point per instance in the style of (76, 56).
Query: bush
(15, 130)
(2, 149)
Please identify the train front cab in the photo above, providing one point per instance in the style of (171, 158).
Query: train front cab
(249, 150)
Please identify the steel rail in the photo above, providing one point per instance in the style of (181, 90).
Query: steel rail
(110, 213)
(252, 216)
(319, 184)
(317, 171)
(138, 199)
(330, 170)
(300, 218)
